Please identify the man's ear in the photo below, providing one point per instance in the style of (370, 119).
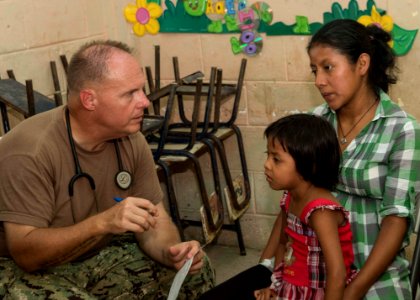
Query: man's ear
(363, 63)
(87, 99)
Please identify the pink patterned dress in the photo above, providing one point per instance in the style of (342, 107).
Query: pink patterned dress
(302, 274)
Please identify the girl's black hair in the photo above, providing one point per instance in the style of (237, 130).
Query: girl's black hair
(352, 39)
(312, 142)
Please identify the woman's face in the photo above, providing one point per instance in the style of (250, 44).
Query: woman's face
(337, 79)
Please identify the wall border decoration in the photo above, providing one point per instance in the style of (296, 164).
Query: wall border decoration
(219, 17)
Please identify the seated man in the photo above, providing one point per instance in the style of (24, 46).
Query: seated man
(80, 202)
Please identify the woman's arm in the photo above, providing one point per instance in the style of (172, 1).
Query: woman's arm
(381, 256)
(325, 223)
(402, 176)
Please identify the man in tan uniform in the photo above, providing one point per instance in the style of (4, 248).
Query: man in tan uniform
(63, 233)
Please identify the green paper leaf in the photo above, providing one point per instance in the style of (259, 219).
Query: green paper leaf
(235, 45)
(170, 7)
(266, 17)
(231, 23)
(337, 11)
(403, 39)
(353, 11)
(302, 25)
(215, 27)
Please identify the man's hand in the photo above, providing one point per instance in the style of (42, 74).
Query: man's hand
(179, 253)
(132, 214)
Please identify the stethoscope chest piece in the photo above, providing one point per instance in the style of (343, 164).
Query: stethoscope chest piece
(123, 180)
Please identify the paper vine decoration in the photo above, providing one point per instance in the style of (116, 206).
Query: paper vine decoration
(217, 16)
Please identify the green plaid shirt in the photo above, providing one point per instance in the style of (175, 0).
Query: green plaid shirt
(379, 178)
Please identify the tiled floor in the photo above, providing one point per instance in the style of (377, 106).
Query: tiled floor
(228, 262)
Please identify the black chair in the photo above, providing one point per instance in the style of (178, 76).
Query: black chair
(177, 155)
(239, 191)
(21, 98)
(214, 132)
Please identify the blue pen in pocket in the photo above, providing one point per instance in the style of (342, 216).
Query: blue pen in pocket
(118, 199)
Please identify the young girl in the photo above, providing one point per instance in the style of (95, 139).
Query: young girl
(314, 255)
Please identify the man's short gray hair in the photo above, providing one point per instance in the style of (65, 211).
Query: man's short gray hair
(89, 63)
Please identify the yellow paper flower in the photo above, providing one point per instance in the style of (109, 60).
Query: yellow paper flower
(143, 15)
(385, 22)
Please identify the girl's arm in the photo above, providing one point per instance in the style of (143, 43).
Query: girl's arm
(273, 243)
(325, 223)
(275, 248)
(381, 256)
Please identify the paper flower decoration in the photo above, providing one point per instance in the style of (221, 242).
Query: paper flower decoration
(143, 15)
(385, 22)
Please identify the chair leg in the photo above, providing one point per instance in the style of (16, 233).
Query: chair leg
(204, 195)
(213, 226)
(244, 166)
(229, 182)
(4, 117)
(240, 237)
(173, 205)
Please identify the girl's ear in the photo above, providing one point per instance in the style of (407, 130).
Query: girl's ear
(87, 99)
(363, 63)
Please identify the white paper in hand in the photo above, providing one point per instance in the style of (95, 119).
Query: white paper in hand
(179, 279)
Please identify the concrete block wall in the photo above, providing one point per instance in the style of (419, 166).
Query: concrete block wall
(278, 81)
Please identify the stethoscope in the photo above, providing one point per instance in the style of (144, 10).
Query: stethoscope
(122, 178)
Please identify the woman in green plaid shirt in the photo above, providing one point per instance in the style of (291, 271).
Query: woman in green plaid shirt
(353, 67)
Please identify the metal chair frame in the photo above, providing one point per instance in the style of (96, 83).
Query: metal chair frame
(190, 150)
(214, 133)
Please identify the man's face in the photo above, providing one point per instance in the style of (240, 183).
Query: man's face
(120, 100)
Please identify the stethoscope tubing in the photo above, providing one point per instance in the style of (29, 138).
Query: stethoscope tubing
(122, 178)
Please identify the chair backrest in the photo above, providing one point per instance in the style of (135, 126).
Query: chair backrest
(23, 98)
(223, 91)
(169, 93)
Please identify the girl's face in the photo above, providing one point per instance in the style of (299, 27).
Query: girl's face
(337, 79)
(279, 168)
